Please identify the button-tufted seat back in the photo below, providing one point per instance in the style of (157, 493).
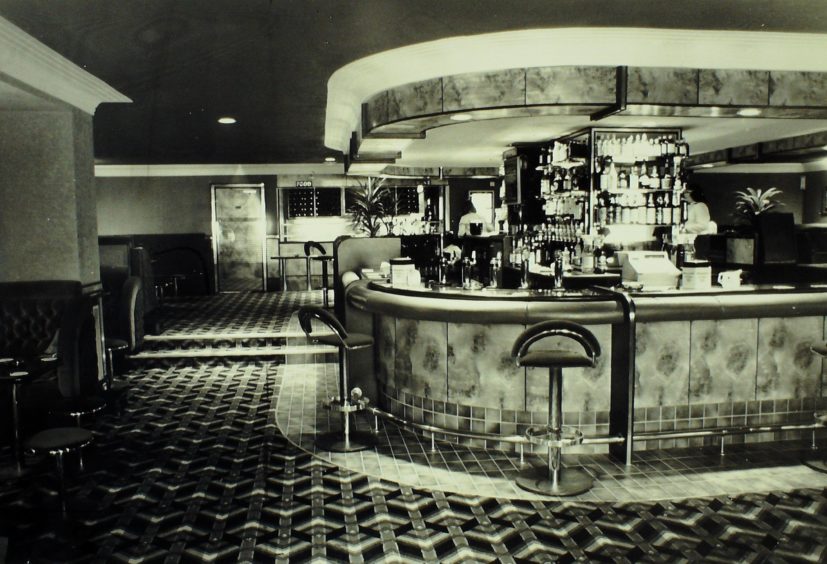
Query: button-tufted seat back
(50, 317)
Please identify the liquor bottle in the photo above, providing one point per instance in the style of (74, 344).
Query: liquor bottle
(650, 209)
(612, 177)
(634, 178)
(659, 209)
(667, 211)
(644, 177)
(598, 255)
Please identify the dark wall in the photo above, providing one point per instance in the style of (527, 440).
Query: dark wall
(814, 202)
(720, 191)
(163, 205)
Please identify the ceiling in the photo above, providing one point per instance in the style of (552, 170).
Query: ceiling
(267, 63)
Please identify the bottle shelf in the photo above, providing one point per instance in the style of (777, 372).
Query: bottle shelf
(568, 194)
(640, 190)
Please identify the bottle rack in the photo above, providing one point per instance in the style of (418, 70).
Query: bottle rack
(635, 176)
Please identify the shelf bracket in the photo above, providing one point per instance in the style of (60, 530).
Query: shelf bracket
(621, 92)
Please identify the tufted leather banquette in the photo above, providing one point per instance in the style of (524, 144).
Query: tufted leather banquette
(44, 317)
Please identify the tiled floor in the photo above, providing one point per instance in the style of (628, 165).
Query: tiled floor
(407, 458)
(195, 469)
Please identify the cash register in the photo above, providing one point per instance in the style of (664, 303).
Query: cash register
(648, 269)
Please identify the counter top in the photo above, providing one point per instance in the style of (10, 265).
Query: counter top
(595, 305)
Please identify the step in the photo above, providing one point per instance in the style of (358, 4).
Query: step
(229, 335)
(234, 352)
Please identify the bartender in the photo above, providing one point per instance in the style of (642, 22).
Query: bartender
(698, 220)
(472, 218)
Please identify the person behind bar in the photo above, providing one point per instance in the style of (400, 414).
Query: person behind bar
(472, 223)
(697, 216)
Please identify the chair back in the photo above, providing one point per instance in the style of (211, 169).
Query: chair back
(308, 313)
(556, 328)
(311, 245)
(131, 313)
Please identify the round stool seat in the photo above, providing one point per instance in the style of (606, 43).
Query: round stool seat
(561, 358)
(352, 341)
(116, 345)
(59, 439)
(78, 407)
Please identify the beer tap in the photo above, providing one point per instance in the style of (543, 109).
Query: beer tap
(558, 270)
(467, 264)
(496, 265)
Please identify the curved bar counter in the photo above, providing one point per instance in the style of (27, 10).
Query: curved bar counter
(672, 360)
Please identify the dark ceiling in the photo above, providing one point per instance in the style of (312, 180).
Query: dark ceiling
(185, 63)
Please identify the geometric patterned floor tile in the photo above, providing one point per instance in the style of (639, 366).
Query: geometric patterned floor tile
(195, 470)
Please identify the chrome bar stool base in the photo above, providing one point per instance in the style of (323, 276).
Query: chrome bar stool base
(817, 464)
(570, 481)
(334, 441)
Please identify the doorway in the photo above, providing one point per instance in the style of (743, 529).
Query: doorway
(239, 243)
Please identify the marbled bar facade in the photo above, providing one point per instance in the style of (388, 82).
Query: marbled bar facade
(718, 367)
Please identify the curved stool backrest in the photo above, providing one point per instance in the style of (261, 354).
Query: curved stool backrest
(556, 328)
(308, 313)
(310, 245)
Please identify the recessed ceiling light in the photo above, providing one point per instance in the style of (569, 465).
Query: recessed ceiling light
(462, 117)
(330, 159)
(706, 165)
(749, 112)
(226, 120)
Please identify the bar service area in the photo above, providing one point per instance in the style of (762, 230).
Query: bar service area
(413, 281)
(701, 342)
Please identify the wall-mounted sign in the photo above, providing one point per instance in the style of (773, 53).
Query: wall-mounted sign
(304, 184)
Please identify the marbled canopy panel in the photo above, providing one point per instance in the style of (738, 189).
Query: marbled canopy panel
(723, 360)
(787, 368)
(584, 389)
(415, 99)
(421, 358)
(662, 364)
(570, 85)
(377, 110)
(733, 87)
(660, 85)
(484, 89)
(793, 88)
(482, 370)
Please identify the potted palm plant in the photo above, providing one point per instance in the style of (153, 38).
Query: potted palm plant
(370, 206)
(751, 203)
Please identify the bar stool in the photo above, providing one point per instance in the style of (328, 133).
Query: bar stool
(15, 372)
(818, 463)
(58, 442)
(555, 480)
(76, 409)
(114, 393)
(323, 258)
(349, 401)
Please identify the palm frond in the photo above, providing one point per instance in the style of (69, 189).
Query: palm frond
(750, 203)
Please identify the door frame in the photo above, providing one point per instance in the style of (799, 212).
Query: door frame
(216, 233)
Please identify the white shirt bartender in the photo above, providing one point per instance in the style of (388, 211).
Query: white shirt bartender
(698, 220)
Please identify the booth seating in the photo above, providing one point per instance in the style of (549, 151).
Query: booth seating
(51, 318)
(348, 401)
(123, 330)
(555, 480)
(46, 327)
(323, 258)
